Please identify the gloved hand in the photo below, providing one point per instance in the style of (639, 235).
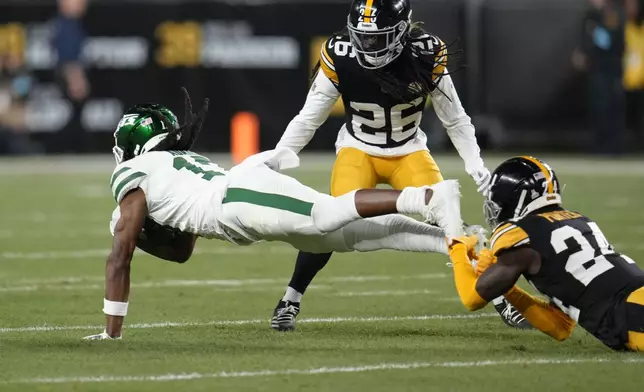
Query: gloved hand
(481, 176)
(485, 259)
(469, 242)
(101, 336)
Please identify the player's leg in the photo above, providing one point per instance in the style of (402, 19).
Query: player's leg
(395, 232)
(419, 169)
(263, 204)
(352, 170)
(635, 320)
(416, 169)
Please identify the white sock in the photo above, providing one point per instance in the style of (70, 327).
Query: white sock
(332, 213)
(412, 200)
(498, 300)
(292, 295)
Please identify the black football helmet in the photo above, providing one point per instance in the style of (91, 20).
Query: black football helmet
(377, 29)
(518, 187)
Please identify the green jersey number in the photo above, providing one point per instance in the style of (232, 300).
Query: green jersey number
(183, 163)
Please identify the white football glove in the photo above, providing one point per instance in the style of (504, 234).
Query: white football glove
(481, 176)
(101, 336)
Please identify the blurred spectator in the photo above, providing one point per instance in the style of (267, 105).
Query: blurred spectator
(634, 66)
(601, 55)
(69, 37)
(15, 85)
(68, 42)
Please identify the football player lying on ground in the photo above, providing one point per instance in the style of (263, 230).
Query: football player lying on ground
(563, 254)
(159, 183)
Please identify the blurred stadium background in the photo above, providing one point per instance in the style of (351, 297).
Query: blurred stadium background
(67, 75)
(560, 79)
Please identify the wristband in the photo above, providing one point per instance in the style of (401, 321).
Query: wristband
(112, 308)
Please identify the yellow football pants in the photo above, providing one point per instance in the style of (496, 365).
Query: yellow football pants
(355, 169)
(636, 339)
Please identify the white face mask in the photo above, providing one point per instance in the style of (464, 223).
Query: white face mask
(491, 212)
(118, 154)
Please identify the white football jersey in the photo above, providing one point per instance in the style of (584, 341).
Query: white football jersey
(183, 190)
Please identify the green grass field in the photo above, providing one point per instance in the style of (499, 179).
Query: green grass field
(381, 321)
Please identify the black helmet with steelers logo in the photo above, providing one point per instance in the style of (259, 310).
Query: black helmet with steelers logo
(518, 187)
(377, 29)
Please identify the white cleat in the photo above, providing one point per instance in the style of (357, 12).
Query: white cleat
(444, 208)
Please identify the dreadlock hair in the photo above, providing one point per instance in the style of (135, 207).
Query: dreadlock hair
(182, 138)
(412, 64)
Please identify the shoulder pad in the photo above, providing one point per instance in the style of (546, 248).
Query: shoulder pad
(433, 49)
(507, 236)
(334, 49)
(130, 174)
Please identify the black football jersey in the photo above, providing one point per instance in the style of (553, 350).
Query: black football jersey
(580, 271)
(372, 116)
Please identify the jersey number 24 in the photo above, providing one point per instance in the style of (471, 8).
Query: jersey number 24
(583, 265)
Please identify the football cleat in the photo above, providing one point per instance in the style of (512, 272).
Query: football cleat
(444, 208)
(284, 316)
(510, 315)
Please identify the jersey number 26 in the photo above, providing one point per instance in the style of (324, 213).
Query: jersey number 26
(375, 125)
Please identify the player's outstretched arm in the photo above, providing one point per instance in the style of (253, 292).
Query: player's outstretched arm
(117, 269)
(317, 108)
(541, 314)
(502, 275)
(460, 130)
(475, 292)
(461, 251)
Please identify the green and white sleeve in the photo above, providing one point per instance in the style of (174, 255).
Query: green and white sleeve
(124, 180)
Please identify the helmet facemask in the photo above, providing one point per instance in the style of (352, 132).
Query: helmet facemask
(491, 213)
(118, 154)
(375, 48)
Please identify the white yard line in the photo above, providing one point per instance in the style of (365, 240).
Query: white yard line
(323, 370)
(88, 253)
(619, 202)
(350, 278)
(628, 247)
(383, 293)
(81, 254)
(61, 279)
(168, 324)
(316, 162)
(57, 234)
(70, 283)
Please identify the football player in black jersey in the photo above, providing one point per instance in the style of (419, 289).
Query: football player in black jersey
(385, 68)
(562, 253)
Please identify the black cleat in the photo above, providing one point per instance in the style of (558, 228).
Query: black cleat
(284, 316)
(511, 316)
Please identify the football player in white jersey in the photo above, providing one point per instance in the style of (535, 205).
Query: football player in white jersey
(162, 187)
